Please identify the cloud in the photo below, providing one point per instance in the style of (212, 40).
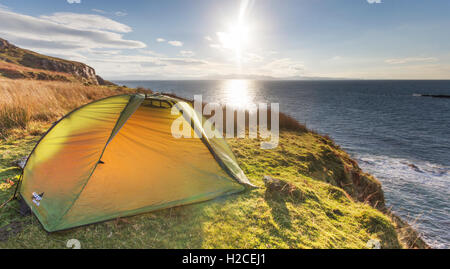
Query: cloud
(117, 13)
(150, 52)
(186, 53)
(215, 46)
(410, 60)
(208, 38)
(227, 41)
(183, 61)
(253, 57)
(374, 1)
(176, 43)
(3, 7)
(149, 59)
(63, 30)
(87, 22)
(151, 64)
(44, 44)
(284, 67)
(99, 11)
(140, 66)
(99, 42)
(74, 1)
(120, 13)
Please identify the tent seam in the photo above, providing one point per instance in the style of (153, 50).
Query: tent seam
(207, 143)
(101, 155)
(56, 123)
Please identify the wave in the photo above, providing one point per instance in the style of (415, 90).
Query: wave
(417, 190)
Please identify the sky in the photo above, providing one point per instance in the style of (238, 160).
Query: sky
(255, 39)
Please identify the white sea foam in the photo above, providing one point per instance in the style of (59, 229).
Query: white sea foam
(418, 191)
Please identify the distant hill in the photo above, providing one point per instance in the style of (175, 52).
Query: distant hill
(18, 63)
(261, 77)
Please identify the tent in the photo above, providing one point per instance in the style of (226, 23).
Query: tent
(117, 157)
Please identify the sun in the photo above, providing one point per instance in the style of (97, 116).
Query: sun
(236, 39)
(237, 36)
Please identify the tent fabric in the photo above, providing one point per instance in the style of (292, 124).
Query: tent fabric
(117, 157)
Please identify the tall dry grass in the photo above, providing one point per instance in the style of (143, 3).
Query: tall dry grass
(286, 122)
(25, 102)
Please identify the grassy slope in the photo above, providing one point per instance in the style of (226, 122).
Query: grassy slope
(15, 71)
(325, 218)
(24, 57)
(16, 62)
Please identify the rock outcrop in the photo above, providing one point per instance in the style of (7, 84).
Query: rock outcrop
(84, 72)
(80, 71)
(4, 44)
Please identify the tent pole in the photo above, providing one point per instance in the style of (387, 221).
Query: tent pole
(17, 186)
(15, 192)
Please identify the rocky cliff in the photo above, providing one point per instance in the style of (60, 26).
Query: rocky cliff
(14, 55)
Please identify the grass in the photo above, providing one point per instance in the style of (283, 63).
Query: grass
(285, 121)
(19, 63)
(332, 211)
(326, 218)
(26, 104)
(15, 71)
(318, 157)
(24, 57)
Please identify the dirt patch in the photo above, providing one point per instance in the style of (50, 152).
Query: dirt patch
(12, 229)
(285, 188)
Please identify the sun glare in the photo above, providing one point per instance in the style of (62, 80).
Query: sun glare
(235, 39)
(238, 34)
(238, 92)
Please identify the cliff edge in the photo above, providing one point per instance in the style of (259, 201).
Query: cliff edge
(22, 63)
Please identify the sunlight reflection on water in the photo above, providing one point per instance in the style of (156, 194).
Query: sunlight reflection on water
(238, 93)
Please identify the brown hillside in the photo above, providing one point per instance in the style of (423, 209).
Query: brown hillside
(22, 58)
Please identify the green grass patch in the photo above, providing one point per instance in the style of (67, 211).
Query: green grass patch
(325, 217)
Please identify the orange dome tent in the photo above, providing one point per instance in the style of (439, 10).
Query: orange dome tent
(117, 157)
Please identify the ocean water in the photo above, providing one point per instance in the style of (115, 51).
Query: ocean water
(382, 124)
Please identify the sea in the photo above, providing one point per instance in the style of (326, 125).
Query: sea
(400, 137)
